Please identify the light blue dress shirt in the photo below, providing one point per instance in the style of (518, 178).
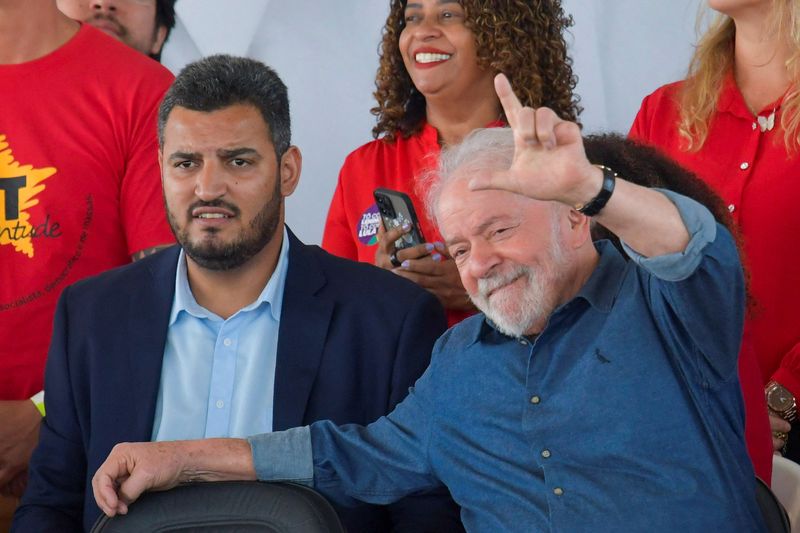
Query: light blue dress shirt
(218, 376)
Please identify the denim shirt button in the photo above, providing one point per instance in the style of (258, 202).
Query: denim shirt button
(546, 454)
(535, 400)
(558, 491)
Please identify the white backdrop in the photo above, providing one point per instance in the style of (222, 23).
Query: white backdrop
(326, 53)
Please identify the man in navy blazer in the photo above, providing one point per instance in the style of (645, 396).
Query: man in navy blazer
(351, 338)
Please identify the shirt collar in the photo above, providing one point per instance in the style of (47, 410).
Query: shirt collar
(600, 290)
(272, 294)
(731, 100)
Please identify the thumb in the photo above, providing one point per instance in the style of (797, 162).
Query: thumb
(133, 487)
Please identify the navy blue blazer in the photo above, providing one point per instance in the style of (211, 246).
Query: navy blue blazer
(352, 339)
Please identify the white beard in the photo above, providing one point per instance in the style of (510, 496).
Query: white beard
(515, 312)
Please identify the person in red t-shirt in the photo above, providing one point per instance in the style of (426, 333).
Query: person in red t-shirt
(735, 121)
(144, 25)
(434, 85)
(80, 186)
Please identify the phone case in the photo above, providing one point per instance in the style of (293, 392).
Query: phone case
(396, 208)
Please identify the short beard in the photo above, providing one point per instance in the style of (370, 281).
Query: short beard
(514, 314)
(212, 255)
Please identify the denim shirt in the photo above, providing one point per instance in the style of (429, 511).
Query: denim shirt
(624, 414)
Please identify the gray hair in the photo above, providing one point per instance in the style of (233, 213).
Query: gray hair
(483, 150)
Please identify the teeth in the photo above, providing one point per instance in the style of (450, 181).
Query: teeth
(431, 58)
(212, 215)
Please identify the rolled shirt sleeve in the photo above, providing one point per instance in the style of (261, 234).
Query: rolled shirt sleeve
(702, 229)
(283, 456)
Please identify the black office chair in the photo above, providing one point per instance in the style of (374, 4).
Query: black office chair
(241, 506)
(775, 517)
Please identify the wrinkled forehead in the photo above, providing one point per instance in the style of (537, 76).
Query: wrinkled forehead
(461, 212)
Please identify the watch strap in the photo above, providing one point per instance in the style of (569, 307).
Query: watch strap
(596, 204)
(788, 414)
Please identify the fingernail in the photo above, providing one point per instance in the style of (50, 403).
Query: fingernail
(406, 226)
(405, 264)
(436, 257)
(428, 247)
(439, 246)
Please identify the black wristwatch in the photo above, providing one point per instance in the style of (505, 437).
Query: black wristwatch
(596, 204)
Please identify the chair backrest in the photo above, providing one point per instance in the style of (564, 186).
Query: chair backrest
(241, 506)
(786, 486)
(774, 514)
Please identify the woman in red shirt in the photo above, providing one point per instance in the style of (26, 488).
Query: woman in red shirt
(435, 85)
(735, 122)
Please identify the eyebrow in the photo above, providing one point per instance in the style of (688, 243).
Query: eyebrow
(236, 152)
(184, 155)
(479, 230)
(221, 153)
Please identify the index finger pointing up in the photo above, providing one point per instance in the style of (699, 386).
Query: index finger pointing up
(509, 101)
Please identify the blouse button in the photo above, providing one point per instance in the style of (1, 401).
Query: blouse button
(731, 208)
(745, 165)
(754, 126)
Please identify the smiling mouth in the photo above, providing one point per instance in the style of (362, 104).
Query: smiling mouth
(503, 286)
(427, 57)
(212, 215)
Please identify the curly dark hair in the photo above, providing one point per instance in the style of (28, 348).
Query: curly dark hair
(646, 166)
(523, 39)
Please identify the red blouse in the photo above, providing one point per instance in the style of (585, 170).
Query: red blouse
(753, 173)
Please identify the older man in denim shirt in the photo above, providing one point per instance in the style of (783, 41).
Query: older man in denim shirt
(593, 394)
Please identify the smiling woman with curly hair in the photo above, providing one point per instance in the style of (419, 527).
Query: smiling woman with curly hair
(522, 39)
(434, 85)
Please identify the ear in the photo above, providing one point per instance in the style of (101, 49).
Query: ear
(161, 161)
(579, 229)
(158, 40)
(290, 166)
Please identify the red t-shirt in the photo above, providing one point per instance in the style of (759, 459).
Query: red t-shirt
(752, 172)
(353, 217)
(80, 186)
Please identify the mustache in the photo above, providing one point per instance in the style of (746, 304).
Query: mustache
(214, 203)
(496, 280)
(120, 29)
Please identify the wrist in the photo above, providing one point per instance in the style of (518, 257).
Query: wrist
(221, 459)
(588, 186)
(601, 194)
(780, 401)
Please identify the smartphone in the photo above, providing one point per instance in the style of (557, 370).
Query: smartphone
(396, 209)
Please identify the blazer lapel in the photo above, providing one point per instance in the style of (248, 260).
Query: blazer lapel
(148, 321)
(305, 317)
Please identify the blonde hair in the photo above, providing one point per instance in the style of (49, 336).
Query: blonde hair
(713, 59)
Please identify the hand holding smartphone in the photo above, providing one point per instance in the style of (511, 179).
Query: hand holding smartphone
(396, 209)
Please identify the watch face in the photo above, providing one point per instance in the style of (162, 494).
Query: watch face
(779, 399)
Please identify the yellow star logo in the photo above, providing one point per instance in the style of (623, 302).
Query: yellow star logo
(19, 185)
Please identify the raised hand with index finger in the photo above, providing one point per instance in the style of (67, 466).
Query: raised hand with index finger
(549, 159)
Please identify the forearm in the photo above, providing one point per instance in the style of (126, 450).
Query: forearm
(645, 219)
(217, 460)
